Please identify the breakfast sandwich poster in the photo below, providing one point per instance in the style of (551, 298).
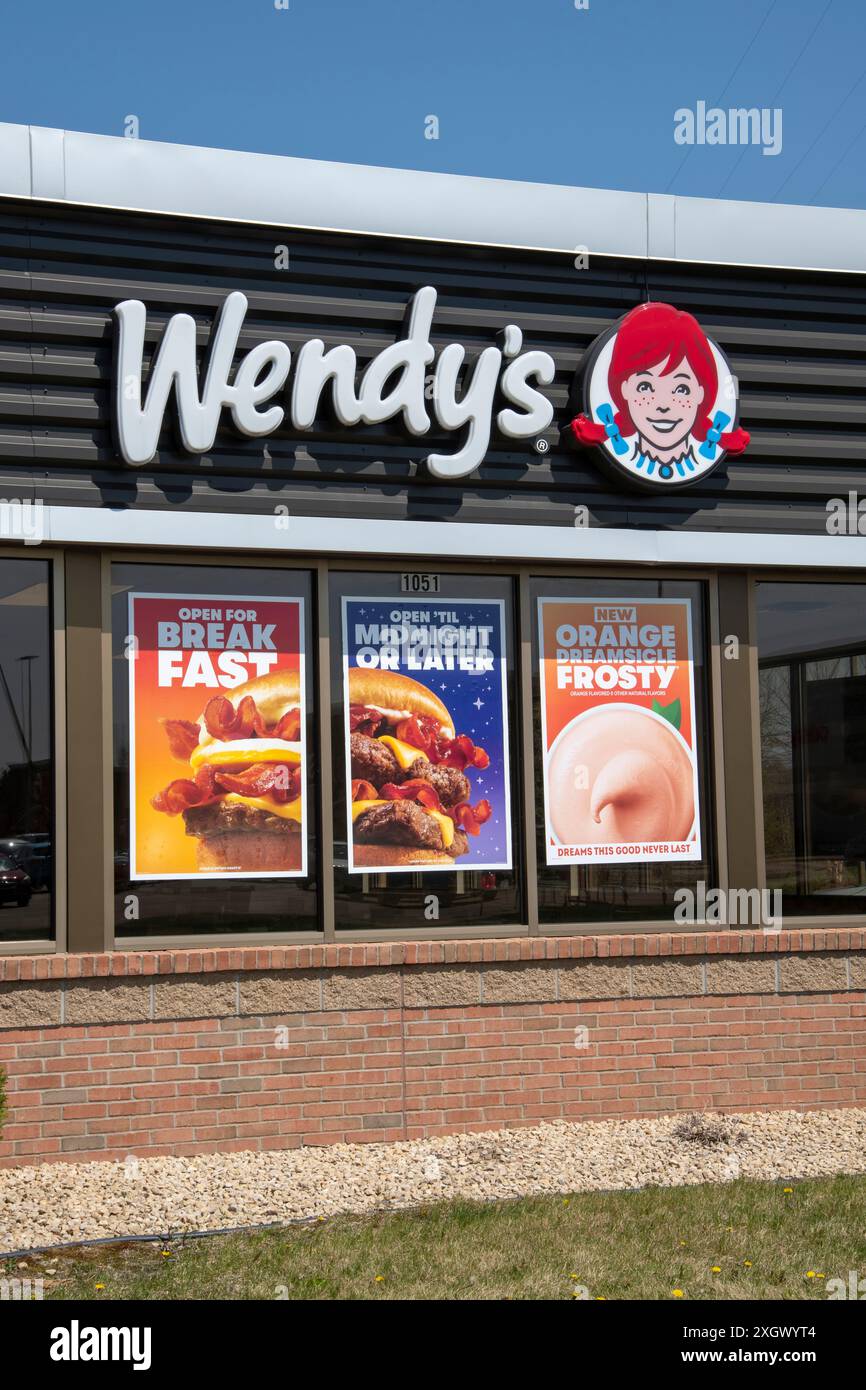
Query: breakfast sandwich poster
(217, 727)
(426, 731)
(618, 731)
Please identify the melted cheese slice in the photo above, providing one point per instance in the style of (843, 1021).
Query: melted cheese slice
(290, 811)
(242, 752)
(446, 824)
(405, 754)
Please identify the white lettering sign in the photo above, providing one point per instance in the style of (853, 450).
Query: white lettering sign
(394, 384)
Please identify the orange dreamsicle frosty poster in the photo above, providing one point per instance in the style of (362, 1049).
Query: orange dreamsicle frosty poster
(216, 716)
(618, 731)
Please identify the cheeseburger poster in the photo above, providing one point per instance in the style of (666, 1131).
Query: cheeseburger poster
(216, 718)
(426, 735)
(618, 731)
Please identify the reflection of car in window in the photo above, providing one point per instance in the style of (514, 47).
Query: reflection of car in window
(15, 885)
(32, 853)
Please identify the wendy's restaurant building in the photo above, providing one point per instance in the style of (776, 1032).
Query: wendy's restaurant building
(432, 651)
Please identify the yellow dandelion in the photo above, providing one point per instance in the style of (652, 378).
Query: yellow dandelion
(747, 1264)
(601, 1298)
(810, 1274)
(380, 1278)
(100, 1286)
(574, 1276)
(677, 1293)
(565, 1201)
(683, 1242)
(787, 1189)
(716, 1269)
(820, 1276)
(166, 1254)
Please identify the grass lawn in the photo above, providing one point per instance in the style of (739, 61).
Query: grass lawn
(763, 1238)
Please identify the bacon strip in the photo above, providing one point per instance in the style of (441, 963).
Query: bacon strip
(416, 789)
(423, 733)
(224, 722)
(363, 720)
(418, 732)
(471, 818)
(183, 737)
(275, 780)
(205, 780)
(288, 727)
(281, 783)
(179, 796)
(364, 791)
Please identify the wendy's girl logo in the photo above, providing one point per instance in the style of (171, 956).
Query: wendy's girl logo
(659, 400)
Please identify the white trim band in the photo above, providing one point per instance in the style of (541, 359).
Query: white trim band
(276, 190)
(448, 540)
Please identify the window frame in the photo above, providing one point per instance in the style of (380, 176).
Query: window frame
(76, 935)
(55, 558)
(319, 649)
(843, 575)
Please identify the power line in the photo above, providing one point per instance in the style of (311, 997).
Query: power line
(746, 51)
(780, 89)
(842, 157)
(819, 136)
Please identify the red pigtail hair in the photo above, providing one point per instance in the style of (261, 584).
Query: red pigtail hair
(736, 441)
(587, 432)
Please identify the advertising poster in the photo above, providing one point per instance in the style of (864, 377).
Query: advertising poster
(426, 735)
(216, 719)
(618, 731)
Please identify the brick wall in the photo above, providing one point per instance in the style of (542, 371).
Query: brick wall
(186, 1052)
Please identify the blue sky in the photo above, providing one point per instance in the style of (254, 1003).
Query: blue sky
(526, 89)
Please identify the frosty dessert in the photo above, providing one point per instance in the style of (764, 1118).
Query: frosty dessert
(620, 775)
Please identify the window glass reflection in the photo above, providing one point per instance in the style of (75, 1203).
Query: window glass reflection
(812, 650)
(26, 752)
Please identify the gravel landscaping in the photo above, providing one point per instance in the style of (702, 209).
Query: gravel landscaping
(63, 1203)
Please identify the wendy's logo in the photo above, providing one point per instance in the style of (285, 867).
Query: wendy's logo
(659, 400)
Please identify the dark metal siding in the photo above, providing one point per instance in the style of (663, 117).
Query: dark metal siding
(796, 341)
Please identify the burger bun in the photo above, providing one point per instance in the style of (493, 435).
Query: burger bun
(389, 690)
(398, 857)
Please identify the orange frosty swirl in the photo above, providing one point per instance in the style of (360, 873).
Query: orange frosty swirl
(620, 775)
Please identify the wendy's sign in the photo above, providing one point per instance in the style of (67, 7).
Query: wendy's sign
(498, 390)
(659, 400)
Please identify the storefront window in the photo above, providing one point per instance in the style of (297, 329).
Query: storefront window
(215, 774)
(812, 651)
(424, 739)
(622, 759)
(26, 752)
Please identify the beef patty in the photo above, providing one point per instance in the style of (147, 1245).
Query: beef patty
(449, 782)
(220, 818)
(374, 762)
(405, 823)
